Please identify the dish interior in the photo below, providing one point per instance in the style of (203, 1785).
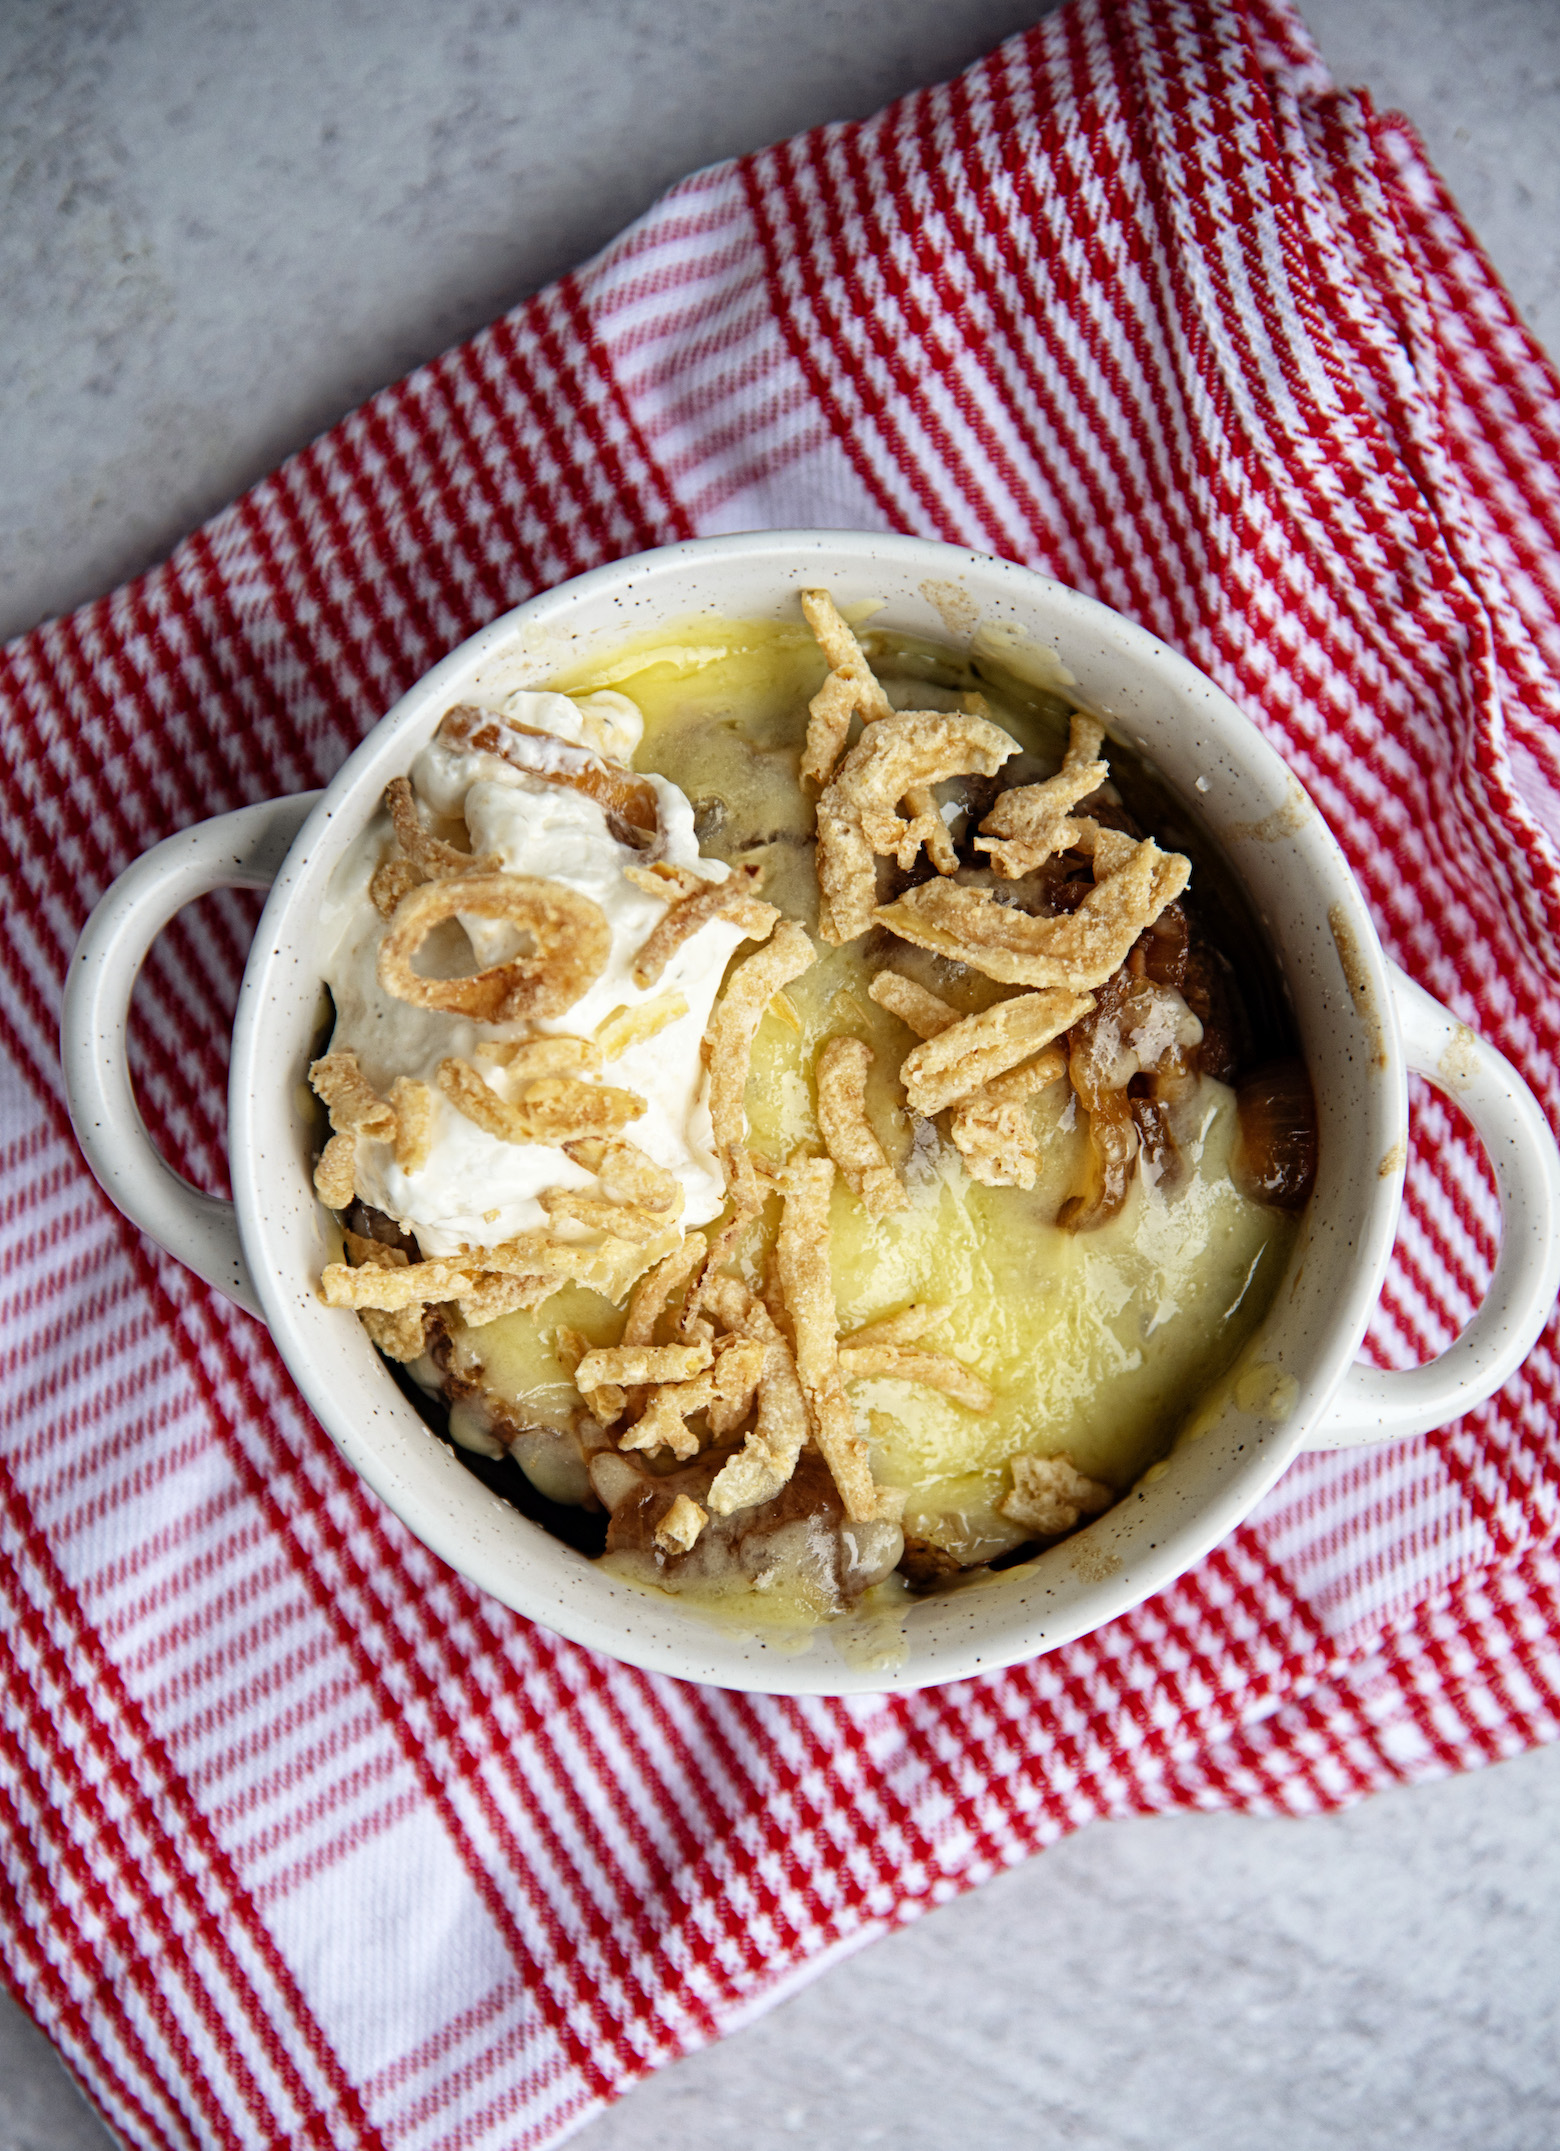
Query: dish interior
(1179, 734)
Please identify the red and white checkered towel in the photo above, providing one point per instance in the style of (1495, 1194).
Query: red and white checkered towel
(305, 1840)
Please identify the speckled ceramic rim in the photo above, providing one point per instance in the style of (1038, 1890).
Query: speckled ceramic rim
(1302, 892)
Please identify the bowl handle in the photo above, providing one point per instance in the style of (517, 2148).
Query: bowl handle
(234, 851)
(1375, 1404)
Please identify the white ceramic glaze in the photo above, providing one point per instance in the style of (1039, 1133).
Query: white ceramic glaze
(1363, 1025)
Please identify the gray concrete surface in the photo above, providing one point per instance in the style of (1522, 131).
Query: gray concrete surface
(226, 224)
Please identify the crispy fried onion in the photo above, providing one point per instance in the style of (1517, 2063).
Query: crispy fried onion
(1050, 1495)
(907, 1327)
(570, 938)
(628, 799)
(921, 1011)
(657, 1289)
(432, 859)
(729, 1381)
(723, 1246)
(1133, 884)
(395, 1286)
(629, 1221)
(412, 1104)
(1030, 823)
(565, 1261)
(802, 1264)
(638, 1199)
(942, 1070)
(356, 1108)
(728, 1043)
(627, 1027)
(627, 1175)
(767, 1458)
(858, 813)
(880, 1348)
(934, 1370)
(721, 1379)
(393, 877)
(335, 1173)
(529, 1059)
(679, 1528)
(990, 1126)
(741, 1362)
(399, 1334)
(847, 1132)
(688, 910)
(417, 857)
(554, 1109)
(570, 1347)
(850, 687)
(349, 1098)
(487, 1282)
(624, 1364)
(1137, 1028)
(492, 1296)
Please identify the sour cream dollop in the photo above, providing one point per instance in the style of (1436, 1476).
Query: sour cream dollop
(475, 1189)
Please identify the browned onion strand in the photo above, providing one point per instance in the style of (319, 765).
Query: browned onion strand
(1274, 1160)
(1156, 1141)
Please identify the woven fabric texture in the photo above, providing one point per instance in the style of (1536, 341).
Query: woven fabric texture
(305, 1841)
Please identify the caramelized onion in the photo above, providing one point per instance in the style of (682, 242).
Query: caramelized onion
(1113, 1146)
(1210, 994)
(1274, 1159)
(1166, 948)
(1157, 1148)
